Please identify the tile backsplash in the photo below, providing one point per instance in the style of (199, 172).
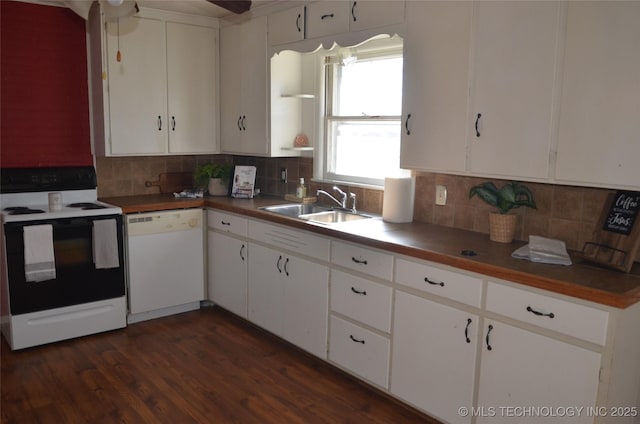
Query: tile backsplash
(564, 212)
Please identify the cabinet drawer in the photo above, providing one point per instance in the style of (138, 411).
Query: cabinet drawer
(360, 350)
(361, 299)
(450, 284)
(300, 242)
(226, 222)
(361, 259)
(565, 317)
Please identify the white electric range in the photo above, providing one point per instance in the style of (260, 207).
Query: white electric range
(64, 271)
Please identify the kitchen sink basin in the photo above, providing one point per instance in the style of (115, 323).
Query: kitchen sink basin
(333, 217)
(296, 210)
(315, 213)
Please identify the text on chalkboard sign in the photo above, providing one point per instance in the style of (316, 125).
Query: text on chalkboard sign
(623, 212)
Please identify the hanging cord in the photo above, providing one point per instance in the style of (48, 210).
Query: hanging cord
(118, 55)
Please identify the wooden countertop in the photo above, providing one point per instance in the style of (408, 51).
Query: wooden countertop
(435, 243)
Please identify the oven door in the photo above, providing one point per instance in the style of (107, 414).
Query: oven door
(77, 280)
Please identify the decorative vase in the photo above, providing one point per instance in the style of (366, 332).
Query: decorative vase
(217, 187)
(502, 227)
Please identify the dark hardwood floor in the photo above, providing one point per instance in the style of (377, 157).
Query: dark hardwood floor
(206, 366)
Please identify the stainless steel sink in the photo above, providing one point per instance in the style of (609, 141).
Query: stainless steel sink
(333, 217)
(294, 210)
(315, 213)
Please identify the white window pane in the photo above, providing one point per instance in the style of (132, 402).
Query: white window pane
(370, 88)
(365, 149)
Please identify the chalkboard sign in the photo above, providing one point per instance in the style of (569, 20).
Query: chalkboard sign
(615, 242)
(622, 212)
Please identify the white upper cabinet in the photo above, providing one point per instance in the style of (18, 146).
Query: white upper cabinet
(599, 127)
(161, 97)
(514, 73)
(344, 22)
(327, 18)
(366, 14)
(137, 88)
(434, 98)
(243, 88)
(287, 26)
(191, 58)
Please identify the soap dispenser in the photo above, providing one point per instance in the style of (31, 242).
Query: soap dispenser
(301, 190)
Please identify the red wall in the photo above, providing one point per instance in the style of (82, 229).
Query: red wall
(44, 115)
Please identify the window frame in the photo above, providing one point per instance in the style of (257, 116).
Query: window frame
(330, 62)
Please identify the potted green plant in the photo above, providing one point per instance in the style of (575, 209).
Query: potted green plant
(215, 177)
(512, 195)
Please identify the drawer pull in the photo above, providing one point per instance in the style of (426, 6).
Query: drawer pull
(540, 314)
(359, 261)
(433, 283)
(328, 15)
(278, 264)
(466, 331)
(490, 328)
(225, 223)
(353, 339)
(363, 292)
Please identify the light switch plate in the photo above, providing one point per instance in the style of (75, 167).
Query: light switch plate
(441, 195)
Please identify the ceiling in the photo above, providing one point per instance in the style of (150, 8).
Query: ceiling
(195, 7)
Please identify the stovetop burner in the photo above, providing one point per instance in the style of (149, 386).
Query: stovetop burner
(22, 210)
(86, 205)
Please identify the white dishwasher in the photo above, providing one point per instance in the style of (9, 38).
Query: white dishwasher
(165, 253)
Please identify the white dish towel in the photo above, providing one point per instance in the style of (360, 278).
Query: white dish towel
(105, 244)
(544, 250)
(39, 259)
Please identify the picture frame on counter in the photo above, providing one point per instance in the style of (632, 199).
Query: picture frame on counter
(243, 182)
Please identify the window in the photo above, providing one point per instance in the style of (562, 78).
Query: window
(363, 102)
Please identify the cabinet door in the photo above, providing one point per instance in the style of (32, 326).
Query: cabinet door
(527, 369)
(365, 14)
(191, 79)
(243, 87)
(230, 92)
(266, 288)
(513, 88)
(433, 361)
(137, 87)
(327, 18)
(286, 26)
(306, 304)
(598, 141)
(227, 269)
(434, 94)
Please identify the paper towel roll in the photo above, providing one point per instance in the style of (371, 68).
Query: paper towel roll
(399, 194)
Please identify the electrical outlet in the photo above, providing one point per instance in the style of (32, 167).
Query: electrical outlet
(283, 175)
(441, 195)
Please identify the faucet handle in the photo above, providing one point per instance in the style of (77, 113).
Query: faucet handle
(352, 196)
(342, 193)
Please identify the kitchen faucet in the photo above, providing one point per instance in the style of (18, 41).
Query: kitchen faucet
(343, 198)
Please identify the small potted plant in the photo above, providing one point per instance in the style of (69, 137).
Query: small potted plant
(512, 195)
(214, 176)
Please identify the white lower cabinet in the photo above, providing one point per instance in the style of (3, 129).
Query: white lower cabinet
(359, 350)
(522, 369)
(227, 253)
(288, 296)
(266, 288)
(227, 273)
(434, 351)
(436, 337)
